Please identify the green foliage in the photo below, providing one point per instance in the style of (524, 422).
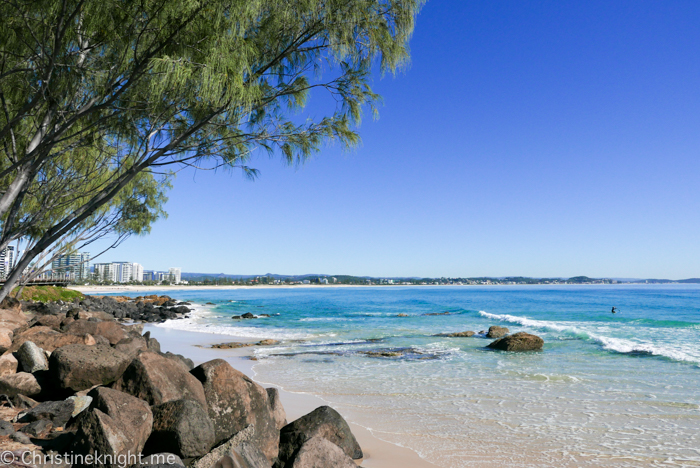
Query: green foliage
(49, 294)
(97, 94)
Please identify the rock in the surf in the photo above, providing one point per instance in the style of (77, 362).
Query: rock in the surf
(520, 341)
(464, 334)
(496, 332)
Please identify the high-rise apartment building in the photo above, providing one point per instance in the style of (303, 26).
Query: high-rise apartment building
(75, 267)
(175, 275)
(7, 260)
(119, 272)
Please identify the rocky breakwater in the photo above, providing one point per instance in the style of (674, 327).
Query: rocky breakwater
(142, 308)
(97, 387)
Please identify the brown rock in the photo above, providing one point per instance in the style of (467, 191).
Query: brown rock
(464, 334)
(8, 364)
(318, 452)
(157, 379)
(12, 319)
(79, 367)
(22, 383)
(518, 342)
(115, 424)
(324, 422)
(51, 321)
(110, 330)
(5, 339)
(48, 339)
(497, 332)
(181, 427)
(235, 401)
(132, 345)
(278, 413)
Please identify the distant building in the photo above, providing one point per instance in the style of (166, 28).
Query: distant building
(7, 260)
(323, 280)
(75, 267)
(119, 272)
(175, 275)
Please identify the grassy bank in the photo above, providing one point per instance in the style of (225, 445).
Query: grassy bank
(47, 294)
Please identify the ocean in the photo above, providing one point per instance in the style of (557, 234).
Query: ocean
(618, 390)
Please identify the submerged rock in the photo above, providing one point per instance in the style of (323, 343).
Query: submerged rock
(518, 342)
(464, 334)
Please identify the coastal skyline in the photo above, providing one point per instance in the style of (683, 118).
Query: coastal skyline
(538, 140)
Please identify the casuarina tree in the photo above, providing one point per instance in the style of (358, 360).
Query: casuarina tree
(139, 87)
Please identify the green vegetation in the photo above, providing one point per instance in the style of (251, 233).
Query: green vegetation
(153, 86)
(48, 294)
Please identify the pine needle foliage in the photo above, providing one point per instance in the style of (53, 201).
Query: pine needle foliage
(131, 87)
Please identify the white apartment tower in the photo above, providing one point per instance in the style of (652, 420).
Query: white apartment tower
(175, 275)
(7, 260)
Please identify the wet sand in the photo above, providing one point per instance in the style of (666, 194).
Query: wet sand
(378, 454)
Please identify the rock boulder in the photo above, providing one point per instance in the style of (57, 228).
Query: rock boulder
(235, 401)
(319, 452)
(116, 424)
(496, 332)
(157, 380)
(181, 427)
(32, 358)
(79, 367)
(518, 342)
(323, 422)
(21, 383)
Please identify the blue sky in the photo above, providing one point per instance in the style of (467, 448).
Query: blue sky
(538, 138)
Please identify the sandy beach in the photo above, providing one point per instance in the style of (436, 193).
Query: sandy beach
(194, 345)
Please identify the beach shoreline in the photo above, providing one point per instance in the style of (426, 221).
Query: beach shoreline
(196, 346)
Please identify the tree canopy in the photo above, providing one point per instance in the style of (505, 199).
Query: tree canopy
(119, 89)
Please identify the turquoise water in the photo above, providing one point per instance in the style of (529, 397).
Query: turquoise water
(607, 390)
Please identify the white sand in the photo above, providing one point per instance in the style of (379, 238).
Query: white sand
(378, 454)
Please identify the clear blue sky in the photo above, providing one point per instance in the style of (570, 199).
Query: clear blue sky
(540, 138)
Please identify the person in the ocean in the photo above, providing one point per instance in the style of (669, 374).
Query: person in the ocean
(614, 311)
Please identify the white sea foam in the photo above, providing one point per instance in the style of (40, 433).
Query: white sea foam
(619, 345)
(200, 316)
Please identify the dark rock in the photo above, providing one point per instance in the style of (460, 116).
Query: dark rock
(248, 315)
(239, 450)
(110, 330)
(320, 452)
(235, 402)
(38, 427)
(79, 367)
(132, 345)
(518, 342)
(180, 309)
(497, 332)
(236, 317)
(116, 424)
(20, 383)
(181, 427)
(6, 428)
(464, 334)
(157, 379)
(58, 412)
(180, 358)
(22, 402)
(325, 422)
(32, 358)
(278, 413)
(21, 437)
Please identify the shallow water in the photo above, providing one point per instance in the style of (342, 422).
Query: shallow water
(607, 390)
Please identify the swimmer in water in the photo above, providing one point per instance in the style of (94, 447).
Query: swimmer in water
(614, 311)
